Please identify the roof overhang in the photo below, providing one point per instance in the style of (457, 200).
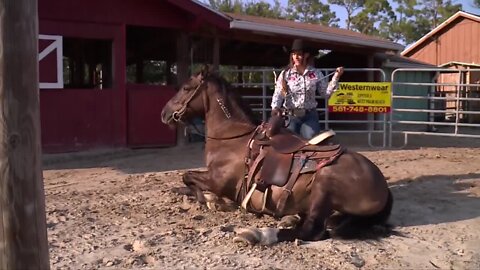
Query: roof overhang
(456, 63)
(281, 30)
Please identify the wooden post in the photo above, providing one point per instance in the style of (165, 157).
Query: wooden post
(182, 76)
(23, 234)
(216, 53)
(371, 78)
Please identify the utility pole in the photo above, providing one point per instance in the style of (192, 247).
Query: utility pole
(23, 234)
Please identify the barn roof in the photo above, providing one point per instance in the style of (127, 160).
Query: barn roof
(457, 16)
(314, 33)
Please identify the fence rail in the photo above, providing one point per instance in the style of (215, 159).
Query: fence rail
(444, 105)
(439, 115)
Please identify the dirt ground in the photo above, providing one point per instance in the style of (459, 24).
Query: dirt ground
(115, 210)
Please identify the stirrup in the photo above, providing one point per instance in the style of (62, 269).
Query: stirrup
(321, 137)
(248, 196)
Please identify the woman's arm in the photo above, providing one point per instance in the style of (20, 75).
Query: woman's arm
(326, 88)
(278, 94)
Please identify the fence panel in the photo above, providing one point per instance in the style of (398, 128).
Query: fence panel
(447, 105)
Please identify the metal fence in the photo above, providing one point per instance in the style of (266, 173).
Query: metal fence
(242, 79)
(446, 104)
(450, 106)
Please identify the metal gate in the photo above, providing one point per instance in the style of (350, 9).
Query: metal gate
(252, 82)
(448, 105)
(445, 102)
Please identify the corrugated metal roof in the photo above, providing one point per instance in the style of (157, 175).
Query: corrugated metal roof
(459, 14)
(308, 31)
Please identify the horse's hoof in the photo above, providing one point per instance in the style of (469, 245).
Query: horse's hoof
(289, 222)
(247, 236)
(182, 191)
(212, 206)
(263, 236)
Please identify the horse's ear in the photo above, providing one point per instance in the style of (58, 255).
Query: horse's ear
(206, 70)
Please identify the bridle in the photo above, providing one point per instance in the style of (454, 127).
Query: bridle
(177, 115)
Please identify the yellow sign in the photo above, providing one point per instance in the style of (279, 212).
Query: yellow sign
(361, 97)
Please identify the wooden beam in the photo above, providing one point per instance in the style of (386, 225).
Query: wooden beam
(182, 75)
(216, 52)
(23, 234)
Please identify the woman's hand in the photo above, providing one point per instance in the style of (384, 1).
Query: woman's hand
(339, 71)
(276, 112)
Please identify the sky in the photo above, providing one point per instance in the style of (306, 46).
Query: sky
(466, 4)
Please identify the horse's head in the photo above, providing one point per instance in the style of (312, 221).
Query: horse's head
(188, 102)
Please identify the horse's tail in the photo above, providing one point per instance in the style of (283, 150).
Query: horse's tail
(366, 227)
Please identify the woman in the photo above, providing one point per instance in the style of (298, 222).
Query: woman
(296, 88)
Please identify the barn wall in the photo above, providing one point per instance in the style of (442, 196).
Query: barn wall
(76, 119)
(133, 12)
(79, 119)
(456, 42)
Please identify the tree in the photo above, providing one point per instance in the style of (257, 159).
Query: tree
(476, 3)
(255, 8)
(311, 11)
(264, 9)
(415, 18)
(374, 18)
(235, 6)
(350, 7)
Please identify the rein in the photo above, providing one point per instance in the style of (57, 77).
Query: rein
(233, 137)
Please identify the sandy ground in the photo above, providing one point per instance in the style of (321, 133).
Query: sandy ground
(115, 210)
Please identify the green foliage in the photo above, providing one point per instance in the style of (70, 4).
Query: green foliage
(410, 20)
(311, 11)
(373, 18)
(415, 18)
(255, 8)
(264, 9)
(235, 6)
(350, 7)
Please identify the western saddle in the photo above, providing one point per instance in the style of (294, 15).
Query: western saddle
(277, 156)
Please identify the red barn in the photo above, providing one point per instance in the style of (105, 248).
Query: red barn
(95, 56)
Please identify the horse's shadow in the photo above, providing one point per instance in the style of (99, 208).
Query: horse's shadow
(435, 199)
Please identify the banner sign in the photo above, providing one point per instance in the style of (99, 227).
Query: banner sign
(361, 97)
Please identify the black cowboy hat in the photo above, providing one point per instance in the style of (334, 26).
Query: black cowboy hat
(298, 45)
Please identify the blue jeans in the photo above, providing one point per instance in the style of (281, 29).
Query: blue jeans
(306, 126)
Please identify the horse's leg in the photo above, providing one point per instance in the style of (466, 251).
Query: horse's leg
(197, 182)
(312, 227)
(289, 222)
(199, 185)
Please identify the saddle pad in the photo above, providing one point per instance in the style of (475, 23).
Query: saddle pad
(322, 136)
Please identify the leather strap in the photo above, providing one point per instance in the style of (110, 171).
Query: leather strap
(287, 189)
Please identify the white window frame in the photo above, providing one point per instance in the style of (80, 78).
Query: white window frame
(57, 45)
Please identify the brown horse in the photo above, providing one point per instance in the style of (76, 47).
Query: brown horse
(347, 196)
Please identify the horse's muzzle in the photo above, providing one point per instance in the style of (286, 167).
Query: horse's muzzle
(167, 117)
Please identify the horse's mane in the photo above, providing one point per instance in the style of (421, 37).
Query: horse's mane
(232, 95)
